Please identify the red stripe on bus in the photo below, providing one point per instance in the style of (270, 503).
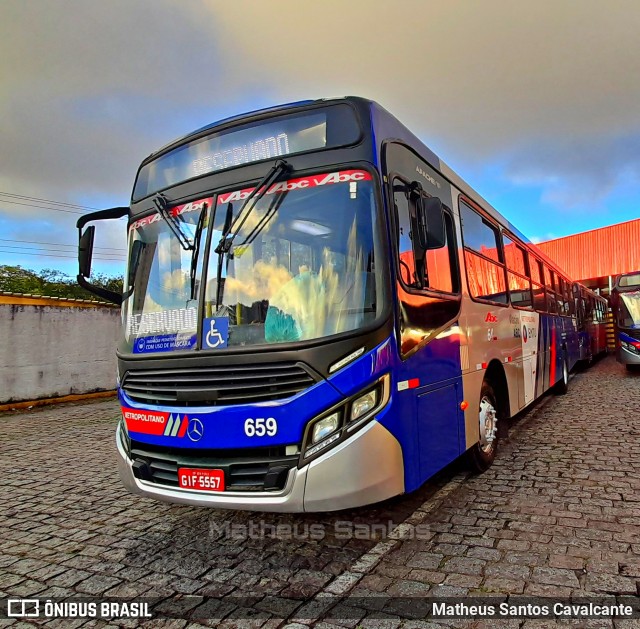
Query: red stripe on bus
(145, 422)
(183, 428)
(340, 176)
(552, 358)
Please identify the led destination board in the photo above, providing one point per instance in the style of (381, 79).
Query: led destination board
(252, 145)
(263, 140)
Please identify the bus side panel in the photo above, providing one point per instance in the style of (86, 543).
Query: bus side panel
(571, 341)
(556, 351)
(472, 384)
(418, 419)
(439, 426)
(543, 362)
(488, 333)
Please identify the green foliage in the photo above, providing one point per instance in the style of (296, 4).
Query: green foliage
(52, 283)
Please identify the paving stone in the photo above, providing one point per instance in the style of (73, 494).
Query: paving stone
(611, 584)
(427, 561)
(555, 576)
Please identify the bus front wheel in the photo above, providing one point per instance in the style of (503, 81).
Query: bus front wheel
(484, 452)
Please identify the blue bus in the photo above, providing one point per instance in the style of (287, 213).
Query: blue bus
(625, 304)
(319, 314)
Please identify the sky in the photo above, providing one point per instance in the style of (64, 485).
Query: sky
(533, 104)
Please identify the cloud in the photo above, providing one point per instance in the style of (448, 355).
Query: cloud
(478, 74)
(577, 174)
(91, 88)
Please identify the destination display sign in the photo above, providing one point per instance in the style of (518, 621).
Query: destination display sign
(262, 140)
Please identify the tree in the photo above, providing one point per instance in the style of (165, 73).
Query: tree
(51, 283)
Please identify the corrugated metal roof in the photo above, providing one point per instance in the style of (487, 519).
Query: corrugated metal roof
(598, 253)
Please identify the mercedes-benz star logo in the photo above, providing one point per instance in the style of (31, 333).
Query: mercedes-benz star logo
(195, 430)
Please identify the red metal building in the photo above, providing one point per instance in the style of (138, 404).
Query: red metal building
(597, 256)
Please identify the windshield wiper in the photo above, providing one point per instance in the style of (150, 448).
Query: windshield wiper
(232, 228)
(264, 221)
(226, 242)
(225, 230)
(196, 249)
(162, 205)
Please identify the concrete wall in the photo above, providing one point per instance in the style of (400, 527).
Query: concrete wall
(52, 348)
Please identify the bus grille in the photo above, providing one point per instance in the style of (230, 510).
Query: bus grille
(247, 469)
(211, 386)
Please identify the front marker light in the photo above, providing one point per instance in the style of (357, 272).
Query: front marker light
(325, 427)
(322, 445)
(363, 404)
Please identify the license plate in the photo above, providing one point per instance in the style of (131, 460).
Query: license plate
(197, 478)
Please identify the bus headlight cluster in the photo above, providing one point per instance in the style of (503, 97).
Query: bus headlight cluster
(341, 421)
(631, 347)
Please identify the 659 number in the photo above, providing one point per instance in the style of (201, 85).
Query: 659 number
(260, 427)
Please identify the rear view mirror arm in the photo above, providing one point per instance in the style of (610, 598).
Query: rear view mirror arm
(85, 251)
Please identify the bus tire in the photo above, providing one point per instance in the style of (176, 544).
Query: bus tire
(482, 455)
(562, 386)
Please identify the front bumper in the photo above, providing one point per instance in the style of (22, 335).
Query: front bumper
(628, 358)
(364, 469)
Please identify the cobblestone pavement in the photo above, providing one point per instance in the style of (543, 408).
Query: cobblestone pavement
(558, 514)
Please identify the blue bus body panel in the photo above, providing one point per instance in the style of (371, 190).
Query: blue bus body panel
(387, 126)
(425, 417)
(224, 426)
(430, 412)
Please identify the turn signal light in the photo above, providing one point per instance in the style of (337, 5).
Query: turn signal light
(464, 405)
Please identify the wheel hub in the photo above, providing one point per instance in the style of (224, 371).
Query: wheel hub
(488, 424)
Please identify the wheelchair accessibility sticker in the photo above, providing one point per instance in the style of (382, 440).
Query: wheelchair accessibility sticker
(215, 332)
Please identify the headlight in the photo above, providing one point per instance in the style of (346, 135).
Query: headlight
(325, 427)
(341, 421)
(362, 405)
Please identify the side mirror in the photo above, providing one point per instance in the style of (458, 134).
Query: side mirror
(85, 251)
(430, 215)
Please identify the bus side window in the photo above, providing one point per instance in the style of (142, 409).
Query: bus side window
(483, 257)
(439, 272)
(537, 284)
(517, 273)
(563, 303)
(551, 295)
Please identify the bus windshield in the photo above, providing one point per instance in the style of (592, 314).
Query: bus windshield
(160, 310)
(304, 265)
(629, 313)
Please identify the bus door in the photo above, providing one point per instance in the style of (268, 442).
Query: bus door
(530, 326)
(428, 292)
